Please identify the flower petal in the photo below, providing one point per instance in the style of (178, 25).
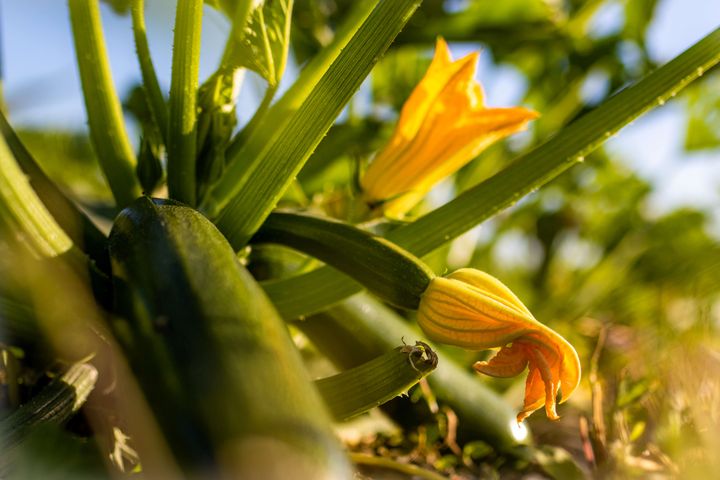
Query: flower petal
(474, 310)
(442, 126)
(484, 282)
(507, 362)
(424, 95)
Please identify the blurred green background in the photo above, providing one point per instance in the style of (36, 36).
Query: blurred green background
(621, 254)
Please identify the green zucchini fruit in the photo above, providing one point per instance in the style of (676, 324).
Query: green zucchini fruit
(214, 359)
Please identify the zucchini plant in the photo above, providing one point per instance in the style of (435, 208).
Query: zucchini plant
(181, 316)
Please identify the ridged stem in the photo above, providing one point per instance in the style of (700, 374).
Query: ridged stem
(23, 217)
(395, 275)
(357, 390)
(158, 107)
(182, 133)
(105, 120)
(361, 328)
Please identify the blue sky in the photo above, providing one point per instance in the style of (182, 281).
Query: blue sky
(41, 85)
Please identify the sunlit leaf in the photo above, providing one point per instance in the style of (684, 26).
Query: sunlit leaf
(263, 42)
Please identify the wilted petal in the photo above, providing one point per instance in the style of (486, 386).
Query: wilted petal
(508, 362)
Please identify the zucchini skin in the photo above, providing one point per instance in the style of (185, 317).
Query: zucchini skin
(214, 359)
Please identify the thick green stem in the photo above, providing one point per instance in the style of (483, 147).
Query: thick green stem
(182, 133)
(357, 390)
(107, 130)
(247, 131)
(361, 328)
(150, 81)
(81, 230)
(391, 273)
(23, 217)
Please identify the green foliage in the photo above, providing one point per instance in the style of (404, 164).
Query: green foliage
(196, 371)
(307, 294)
(703, 125)
(54, 454)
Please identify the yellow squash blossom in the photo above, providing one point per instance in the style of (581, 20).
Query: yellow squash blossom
(442, 126)
(474, 310)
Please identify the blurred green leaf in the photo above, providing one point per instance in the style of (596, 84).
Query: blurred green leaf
(703, 104)
(74, 222)
(335, 160)
(397, 74)
(119, 6)
(638, 15)
(53, 454)
(558, 463)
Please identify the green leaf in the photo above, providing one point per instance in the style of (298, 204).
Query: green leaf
(51, 453)
(373, 383)
(262, 168)
(557, 463)
(391, 273)
(316, 290)
(263, 42)
(703, 105)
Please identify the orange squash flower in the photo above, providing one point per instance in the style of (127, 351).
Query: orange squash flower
(443, 125)
(474, 310)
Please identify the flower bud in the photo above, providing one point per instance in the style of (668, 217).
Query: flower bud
(442, 126)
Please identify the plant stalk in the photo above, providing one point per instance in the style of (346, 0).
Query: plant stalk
(182, 133)
(105, 120)
(158, 108)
